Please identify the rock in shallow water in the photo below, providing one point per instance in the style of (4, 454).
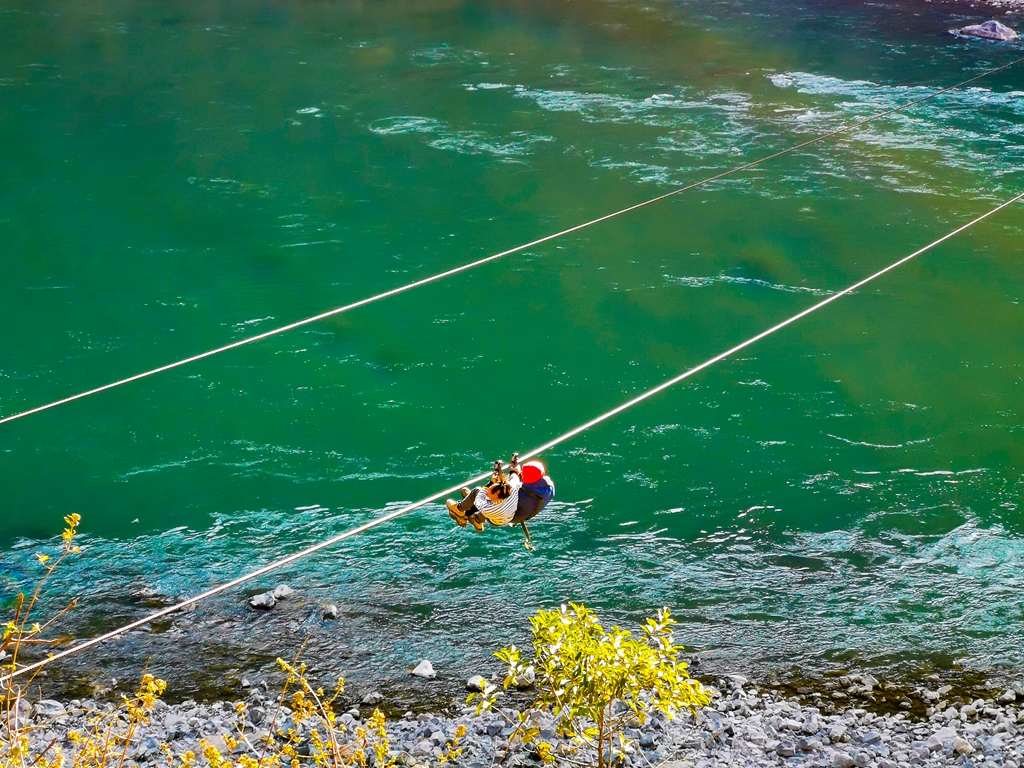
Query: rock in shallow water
(525, 680)
(425, 670)
(476, 683)
(990, 30)
(331, 612)
(283, 592)
(263, 602)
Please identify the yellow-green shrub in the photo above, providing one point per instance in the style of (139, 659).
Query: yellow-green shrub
(596, 682)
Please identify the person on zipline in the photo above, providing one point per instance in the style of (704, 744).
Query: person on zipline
(506, 499)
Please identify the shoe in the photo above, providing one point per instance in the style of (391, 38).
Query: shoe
(464, 492)
(478, 523)
(455, 513)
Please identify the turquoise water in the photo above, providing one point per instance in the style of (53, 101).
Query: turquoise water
(177, 176)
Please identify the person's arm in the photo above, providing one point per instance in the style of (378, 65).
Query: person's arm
(513, 466)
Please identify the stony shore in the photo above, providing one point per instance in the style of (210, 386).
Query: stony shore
(743, 726)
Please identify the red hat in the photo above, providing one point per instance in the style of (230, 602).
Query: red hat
(532, 472)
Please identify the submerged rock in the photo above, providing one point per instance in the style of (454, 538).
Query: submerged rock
(990, 30)
(331, 612)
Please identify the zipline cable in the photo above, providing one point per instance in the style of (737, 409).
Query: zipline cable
(502, 254)
(529, 454)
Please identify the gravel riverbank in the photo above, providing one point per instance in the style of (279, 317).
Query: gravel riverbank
(743, 726)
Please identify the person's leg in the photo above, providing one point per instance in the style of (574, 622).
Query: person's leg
(455, 514)
(458, 511)
(466, 505)
(528, 544)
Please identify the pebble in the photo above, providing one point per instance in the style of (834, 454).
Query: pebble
(331, 612)
(48, 708)
(961, 746)
(786, 749)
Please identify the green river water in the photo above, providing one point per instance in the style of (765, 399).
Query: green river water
(175, 176)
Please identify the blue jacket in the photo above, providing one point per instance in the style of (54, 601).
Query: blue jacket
(533, 498)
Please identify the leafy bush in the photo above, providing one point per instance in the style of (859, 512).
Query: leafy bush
(20, 633)
(595, 682)
(303, 732)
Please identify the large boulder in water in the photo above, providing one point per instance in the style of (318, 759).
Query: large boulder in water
(990, 30)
